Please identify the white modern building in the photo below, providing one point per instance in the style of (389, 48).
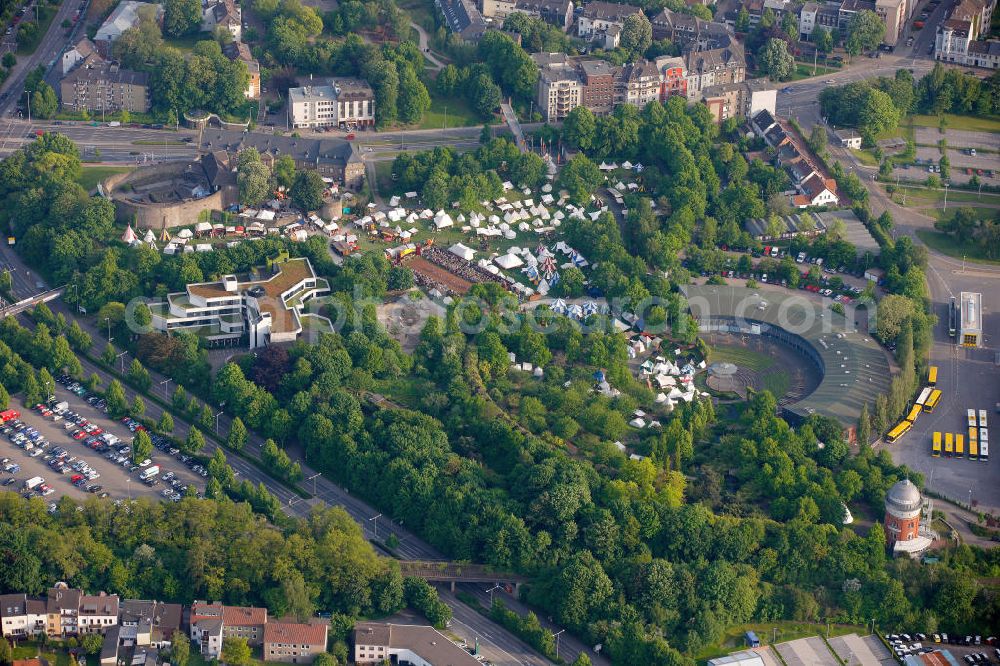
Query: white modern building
(743, 658)
(347, 103)
(378, 643)
(262, 310)
(126, 15)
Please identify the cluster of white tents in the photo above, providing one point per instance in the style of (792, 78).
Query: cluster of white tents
(674, 381)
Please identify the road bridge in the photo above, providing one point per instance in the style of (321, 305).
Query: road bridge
(458, 572)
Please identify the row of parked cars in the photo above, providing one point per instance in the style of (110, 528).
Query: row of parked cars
(907, 644)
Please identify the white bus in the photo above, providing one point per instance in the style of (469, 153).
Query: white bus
(922, 398)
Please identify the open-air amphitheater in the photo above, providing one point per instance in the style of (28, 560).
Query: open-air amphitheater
(851, 368)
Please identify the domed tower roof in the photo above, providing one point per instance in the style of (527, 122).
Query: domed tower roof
(903, 497)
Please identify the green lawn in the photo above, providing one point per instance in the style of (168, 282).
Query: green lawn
(865, 157)
(777, 383)
(945, 244)
(187, 42)
(918, 195)
(970, 123)
(746, 358)
(92, 175)
(45, 14)
(805, 70)
(448, 112)
(781, 632)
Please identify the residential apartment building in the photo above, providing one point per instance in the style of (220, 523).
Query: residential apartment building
(344, 102)
(740, 100)
(673, 77)
(603, 21)
(566, 82)
(757, 8)
(555, 12)
(62, 611)
(714, 67)
(142, 622)
(100, 86)
(294, 642)
(689, 31)
(225, 14)
(377, 643)
(837, 15)
(22, 616)
(98, 613)
(813, 187)
(894, 14)
(463, 18)
(957, 37)
(263, 311)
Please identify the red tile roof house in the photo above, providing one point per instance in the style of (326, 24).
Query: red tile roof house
(211, 623)
(294, 642)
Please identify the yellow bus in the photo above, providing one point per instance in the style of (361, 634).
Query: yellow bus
(949, 445)
(901, 429)
(932, 401)
(932, 375)
(936, 446)
(914, 413)
(973, 449)
(959, 445)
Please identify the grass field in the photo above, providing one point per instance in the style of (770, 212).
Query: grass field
(970, 123)
(779, 632)
(745, 358)
(92, 175)
(448, 112)
(922, 195)
(945, 244)
(187, 42)
(805, 70)
(777, 383)
(865, 157)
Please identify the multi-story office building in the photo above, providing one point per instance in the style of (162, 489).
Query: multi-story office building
(261, 310)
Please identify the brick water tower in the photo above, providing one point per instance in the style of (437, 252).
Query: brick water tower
(903, 505)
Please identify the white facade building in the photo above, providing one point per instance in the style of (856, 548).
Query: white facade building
(343, 103)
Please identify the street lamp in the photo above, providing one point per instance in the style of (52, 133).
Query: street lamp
(122, 357)
(945, 196)
(556, 636)
(164, 384)
(374, 521)
(108, 322)
(491, 591)
(28, 95)
(217, 421)
(313, 479)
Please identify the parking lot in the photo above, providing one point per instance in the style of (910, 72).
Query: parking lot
(968, 650)
(116, 479)
(856, 650)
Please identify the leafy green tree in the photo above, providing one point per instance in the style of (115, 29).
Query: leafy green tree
(579, 128)
(822, 39)
(138, 406)
(179, 399)
(236, 652)
(139, 376)
(206, 418)
(864, 32)
(9, 59)
(307, 191)
(194, 442)
(581, 178)
(414, 100)
(237, 435)
(775, 60)
(254, 180)
(284, 171)
(115, 396)
(637, 34)
(166, 423)
(181, 17)
(142, 446)
(180, 649)
(44, 102)
(486, 96)
(6, 652)
(79, 339)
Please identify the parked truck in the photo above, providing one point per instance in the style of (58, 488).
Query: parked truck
(33, 482)
(149, 472)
